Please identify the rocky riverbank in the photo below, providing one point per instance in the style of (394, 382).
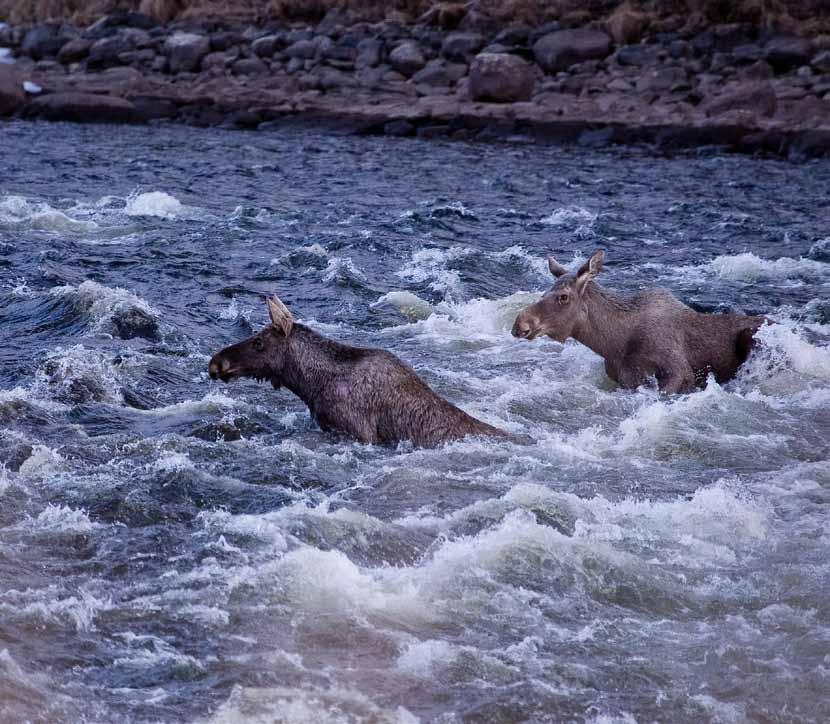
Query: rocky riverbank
(735, 85)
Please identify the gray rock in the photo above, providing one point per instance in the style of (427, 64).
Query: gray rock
(74, 51)
(680, 49)
(663, 80)
(83, 107)
(104, 53)
(461, 46)
(369, 53)
(786, 52)
(562, 49)
(217, 60)
(517, 34)
(760, 70)
(433, 73)
(265, 47)
(636, 55)
(12, 96)
(294, 65)
(227, 39)
(250, 66)
(399, 128)
(185, 51)
(43, 41)
(758, 98)
(305, 49)
(821, 62)
(500, 78)
(407, 58)
(746, 54)
(137, 57)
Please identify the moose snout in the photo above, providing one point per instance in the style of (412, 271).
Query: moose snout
(218, 367)
(524, 326)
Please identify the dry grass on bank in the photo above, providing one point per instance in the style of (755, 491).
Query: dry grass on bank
(761, 12)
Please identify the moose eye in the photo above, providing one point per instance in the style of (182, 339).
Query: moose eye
(563, 298)
(258, 345)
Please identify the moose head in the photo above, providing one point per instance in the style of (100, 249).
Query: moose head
(261, 356)
(562, 309)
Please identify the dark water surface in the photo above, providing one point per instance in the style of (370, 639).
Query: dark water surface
(173, 549)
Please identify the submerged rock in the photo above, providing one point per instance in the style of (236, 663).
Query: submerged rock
(83, 107)
(135, 322)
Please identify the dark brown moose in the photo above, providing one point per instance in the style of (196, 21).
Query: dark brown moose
(366, 394)
(649, 335)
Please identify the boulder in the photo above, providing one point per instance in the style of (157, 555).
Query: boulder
(663, 80)
(786, 52)
(407, 58)
(303, 49)
(12, 96)
(500, 78)
(74, 51)
(105, 53)
(249, 66)
(185, 51)
(626, 25)
(228, 39)
(433, 73)
(460, 46)
(561, 49)
(758, 98)
(266, 46)
(43, 41)
(821, 62)
(369, 53)
(637, 55)
(83, 107)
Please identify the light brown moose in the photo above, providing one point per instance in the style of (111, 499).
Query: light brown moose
(649, 335)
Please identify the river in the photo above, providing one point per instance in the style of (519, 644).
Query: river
(175, 549)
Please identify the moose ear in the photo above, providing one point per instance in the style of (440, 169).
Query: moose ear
(556, 268)
(281, 318)
(589, 270)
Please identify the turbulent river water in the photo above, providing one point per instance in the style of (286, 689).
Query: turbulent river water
(175, 549)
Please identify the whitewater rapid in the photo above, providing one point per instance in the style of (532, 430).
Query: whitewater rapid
(173, 549)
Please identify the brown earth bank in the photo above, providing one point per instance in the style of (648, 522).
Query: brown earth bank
(746, 76)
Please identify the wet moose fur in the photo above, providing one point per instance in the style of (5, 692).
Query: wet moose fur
(366, 394)
(649, 335)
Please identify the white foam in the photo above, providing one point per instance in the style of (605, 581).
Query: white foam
(341, 268)
(333, 705)
(569, 215)
(160, 205)
(782, 344)
(62, 519)
(749, 268)
(66, 368)
(173, 463)
(17, 211)
(431, 265)
(476, 319)
(407, 303)
(421, 658)
(44, 462)
(102, 302)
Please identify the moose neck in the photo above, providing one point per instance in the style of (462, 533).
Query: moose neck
(604, 325)
(308, 365)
